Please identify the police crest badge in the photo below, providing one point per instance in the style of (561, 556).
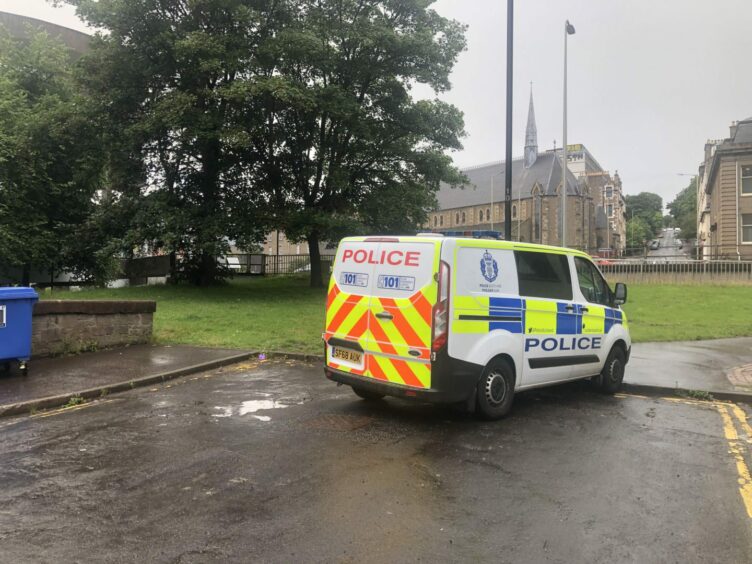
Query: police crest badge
(489, 268)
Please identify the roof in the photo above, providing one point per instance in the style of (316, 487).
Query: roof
(546, 172)
(743, 131)
(18, 26)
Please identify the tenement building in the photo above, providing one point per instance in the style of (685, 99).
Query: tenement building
(724, 196)
(595, 205)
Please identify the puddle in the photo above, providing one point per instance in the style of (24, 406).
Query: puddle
(252, 406)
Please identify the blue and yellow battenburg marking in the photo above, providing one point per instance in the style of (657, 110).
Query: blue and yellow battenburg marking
(481, 314)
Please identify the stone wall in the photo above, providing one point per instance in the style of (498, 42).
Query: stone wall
(63, 327)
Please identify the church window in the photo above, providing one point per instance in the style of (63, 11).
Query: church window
(514, 212)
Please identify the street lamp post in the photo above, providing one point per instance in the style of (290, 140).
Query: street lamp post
(508, 160)
(568, 30)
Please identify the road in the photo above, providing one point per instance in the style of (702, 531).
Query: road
(269, 462)
(669, 249)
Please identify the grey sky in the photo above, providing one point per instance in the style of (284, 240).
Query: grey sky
(650, 80)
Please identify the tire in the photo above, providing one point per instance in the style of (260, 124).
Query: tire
(612, 374)
(495, 390)
(367, 395)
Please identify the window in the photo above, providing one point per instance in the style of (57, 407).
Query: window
(609, 192)
(457, 219)
(435, 221)
(488, 214)
(543, 275)
(441, 221)
(747, 180)
(514, 212)
(610, 210)
(463, 218)
(592, 285)
(747, 228)
(480, 213)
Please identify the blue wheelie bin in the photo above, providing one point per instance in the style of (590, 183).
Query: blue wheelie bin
(16, 307)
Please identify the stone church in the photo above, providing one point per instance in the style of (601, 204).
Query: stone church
(537, 182)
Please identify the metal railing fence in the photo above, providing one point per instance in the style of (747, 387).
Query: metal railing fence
(275, 265)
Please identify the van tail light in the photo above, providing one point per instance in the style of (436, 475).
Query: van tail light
(440, 328)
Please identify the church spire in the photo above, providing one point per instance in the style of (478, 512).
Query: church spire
(531, 135)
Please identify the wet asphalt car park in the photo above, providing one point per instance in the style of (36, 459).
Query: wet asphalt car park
(270, 462)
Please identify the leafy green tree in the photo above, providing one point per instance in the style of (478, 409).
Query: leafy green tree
(232, 117)
(347, 149)
(638, 232)
(684, 210)
(648, 207)
(172, 78)
(50, 165)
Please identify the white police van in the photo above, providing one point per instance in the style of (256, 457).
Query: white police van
(453, 319)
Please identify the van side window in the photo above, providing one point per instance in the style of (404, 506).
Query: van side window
(592, 284)
(543, 275)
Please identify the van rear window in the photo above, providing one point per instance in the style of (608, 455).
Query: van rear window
(543, 275)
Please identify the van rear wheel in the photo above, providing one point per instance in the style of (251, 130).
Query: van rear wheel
(367, 394)
(495, 390)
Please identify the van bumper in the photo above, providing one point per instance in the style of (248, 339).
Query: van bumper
(452, 381)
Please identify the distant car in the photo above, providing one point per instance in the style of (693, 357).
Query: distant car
(602, 261)
(655, 244)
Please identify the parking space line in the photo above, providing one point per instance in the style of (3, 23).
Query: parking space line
(735, 449)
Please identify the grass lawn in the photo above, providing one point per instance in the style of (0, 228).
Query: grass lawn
(285, 314)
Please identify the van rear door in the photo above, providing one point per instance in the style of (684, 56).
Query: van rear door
(400, 311)
(348, 307)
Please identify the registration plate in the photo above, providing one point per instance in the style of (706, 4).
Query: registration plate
(347, 355)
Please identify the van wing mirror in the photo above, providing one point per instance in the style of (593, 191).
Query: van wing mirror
(620, 293)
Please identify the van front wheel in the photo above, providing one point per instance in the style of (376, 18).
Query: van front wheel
(612, 374)
(496, 390)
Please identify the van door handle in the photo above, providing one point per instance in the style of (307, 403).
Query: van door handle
(385, 315)
(570, 308)
(584, 310)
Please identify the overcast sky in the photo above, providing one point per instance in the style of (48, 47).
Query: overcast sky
(650, 80)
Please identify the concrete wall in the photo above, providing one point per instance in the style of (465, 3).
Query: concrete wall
(63, 327)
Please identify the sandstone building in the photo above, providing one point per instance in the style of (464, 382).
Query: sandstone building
(724, 196)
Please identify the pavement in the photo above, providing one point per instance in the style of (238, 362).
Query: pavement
(722, 368)
(53, 381)
(270, 462)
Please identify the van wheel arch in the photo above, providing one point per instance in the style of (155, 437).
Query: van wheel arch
(506, 358)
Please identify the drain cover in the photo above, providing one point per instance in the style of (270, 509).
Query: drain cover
(741, 376)
(332, 422)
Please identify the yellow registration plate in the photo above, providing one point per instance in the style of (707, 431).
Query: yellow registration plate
(347, 355)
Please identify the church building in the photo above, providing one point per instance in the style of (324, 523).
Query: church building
(537, 183)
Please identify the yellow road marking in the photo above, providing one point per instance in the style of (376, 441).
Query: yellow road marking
(69, 409)
(742, 417)
(745, 480)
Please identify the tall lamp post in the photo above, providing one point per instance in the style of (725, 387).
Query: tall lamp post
(510, 84)
(568, 30)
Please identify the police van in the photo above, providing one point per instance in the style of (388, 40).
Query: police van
(453, 319)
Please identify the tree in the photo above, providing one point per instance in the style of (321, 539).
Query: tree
(232, 117)
(648, 207)
(169, 76)
(638, 231)
(50, 165)
(684, 210)
(347, 149)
